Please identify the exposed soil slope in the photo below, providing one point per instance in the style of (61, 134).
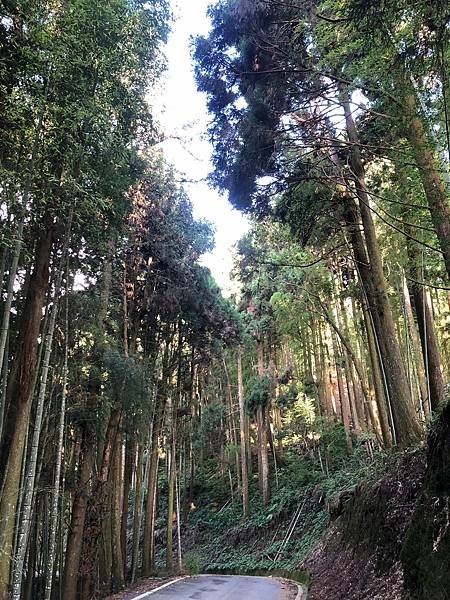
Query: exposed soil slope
(426, 551)
(359, 556)
(391, 540)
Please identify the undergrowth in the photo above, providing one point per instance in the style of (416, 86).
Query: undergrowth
(224, 542)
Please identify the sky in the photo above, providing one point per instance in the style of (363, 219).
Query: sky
(181, 111)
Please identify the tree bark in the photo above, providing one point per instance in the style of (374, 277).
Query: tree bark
(3, 389)
(75, 535)
(243, 439)
(118, 579)
(434, 186)
(406, 424)
(377, 379)
(344, 400)
(148, 550)
(427, 331)
(51, 559)
(97, 506)
(358, 402)
(261, 416)
(4, 329)
(170, 494)
(417, 351)
(137, 514)
(26, 360)
(130, 454)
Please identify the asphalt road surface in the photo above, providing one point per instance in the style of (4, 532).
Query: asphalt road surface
(218, 587)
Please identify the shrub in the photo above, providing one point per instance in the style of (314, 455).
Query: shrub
(192, 564)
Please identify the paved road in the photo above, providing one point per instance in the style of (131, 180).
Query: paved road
(219, 587)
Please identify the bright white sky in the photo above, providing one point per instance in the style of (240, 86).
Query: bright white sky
(183, 115)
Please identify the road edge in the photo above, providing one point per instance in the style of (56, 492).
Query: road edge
(145, 594)
(302, 592)
(302, 589)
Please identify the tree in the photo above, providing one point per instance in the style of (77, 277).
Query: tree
(294, 96)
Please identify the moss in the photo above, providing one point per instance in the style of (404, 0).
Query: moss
(426, 551)
(376, 516)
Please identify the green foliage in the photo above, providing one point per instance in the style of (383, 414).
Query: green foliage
(333, 439)
(259, 392)
(126, 381)
(211, 430)
(288, 395)
(192, 563)
(230, 545)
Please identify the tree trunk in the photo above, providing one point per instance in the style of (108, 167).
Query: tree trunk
(358, 403)
(59, 452)
(130, 455)
(377, 379)
(148, 551)
(417, 351)
(427, 331)
(243, 439)
(356, 363)
(179, 548)
(118, 579)
(26, 360)
(97, 506)
(25, 520)
(406, 425)
(105, 559)
(344, 400)
(75, 535)
(137, 513)
(325, 382)
(3, 389)
(3, 261)
(170, 495)
(435, 190)
(10, 291)
(231, 423)
(261, 416)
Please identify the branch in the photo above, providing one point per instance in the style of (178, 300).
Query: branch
(300, 265)
(426, 284)
(331, 19)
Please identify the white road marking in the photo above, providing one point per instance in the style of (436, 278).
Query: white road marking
(158, 588)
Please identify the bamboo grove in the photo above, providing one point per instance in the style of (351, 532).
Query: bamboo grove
(127, 380)
(106, 309)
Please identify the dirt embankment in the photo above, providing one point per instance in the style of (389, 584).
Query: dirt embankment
(391, 540)
(358, 557)
(426, 550)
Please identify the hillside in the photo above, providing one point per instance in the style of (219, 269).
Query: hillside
(374, 529)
